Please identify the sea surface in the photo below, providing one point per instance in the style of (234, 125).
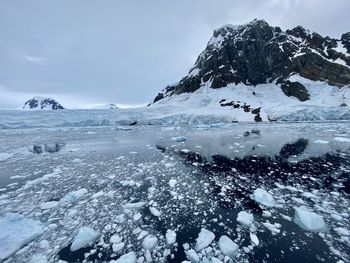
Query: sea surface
(141, 181)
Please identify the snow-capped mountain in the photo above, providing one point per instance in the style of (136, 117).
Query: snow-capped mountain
(261, 72)
(42, 103)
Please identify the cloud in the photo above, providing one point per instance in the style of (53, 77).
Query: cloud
(34, 59)
(126, 51)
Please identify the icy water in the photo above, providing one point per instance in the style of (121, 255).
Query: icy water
(139, 183)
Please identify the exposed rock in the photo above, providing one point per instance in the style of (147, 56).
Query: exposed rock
(257, 118)
(345, 39)
(313, 66)
(295, 89)
(48, 147)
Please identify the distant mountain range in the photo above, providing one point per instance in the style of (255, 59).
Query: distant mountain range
(261, 65)
(46, 103)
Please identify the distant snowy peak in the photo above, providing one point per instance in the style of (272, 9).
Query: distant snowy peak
(257, 53)
(103, 106)
(42, 103)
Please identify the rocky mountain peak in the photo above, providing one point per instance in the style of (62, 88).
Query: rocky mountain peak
(42, 103)
(345, 40)
(257, 53)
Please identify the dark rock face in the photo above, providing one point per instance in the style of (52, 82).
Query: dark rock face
(257, 53)
(42, 103)
(345, 39)
(295, 89)
(244, 106)
(49, 147)
(314, 67)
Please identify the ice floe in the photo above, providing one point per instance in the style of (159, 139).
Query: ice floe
(85, 237)
(245, 218)
(254, 239)
(150, 242)
(17, 231)
(5, 156)
(74, 196)
(274, 228)
(48, 205)
(228, 247)
(154, 211)
(205, 237)
(192, 255)
(262, 197)
(126, 258)
(309, 220)
(170, 237)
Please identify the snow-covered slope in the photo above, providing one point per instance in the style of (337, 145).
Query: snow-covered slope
(228, 104)
(256, 72)
(42, 103)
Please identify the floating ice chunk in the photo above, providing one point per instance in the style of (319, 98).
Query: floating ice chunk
(150, 242)
(262, 197)
(74, 195)
(309, 220)
(205, 237)
(215, 260)
(154, 211)
(170, 237)
(48, 205)
(341, 139)
(137, 205)
(115, 239)
(266, 213)
(5, 156)
(321, 141)
(127, 258)
(172, 182)
(130, 183)
(245, 218)
(192, 255)
(117, 247)
(38, 258)
(254, 239)
(142, 234)
(17, 231)
(179, 139)
(274, 228)
(85, 237)
(342, 231)
(228, 247)
(137, 216)
(97, 195)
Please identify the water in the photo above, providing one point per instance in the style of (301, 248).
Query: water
(216, 170)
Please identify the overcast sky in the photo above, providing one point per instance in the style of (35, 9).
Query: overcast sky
(83, 52)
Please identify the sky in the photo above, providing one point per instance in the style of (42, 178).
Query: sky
(87, 52)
